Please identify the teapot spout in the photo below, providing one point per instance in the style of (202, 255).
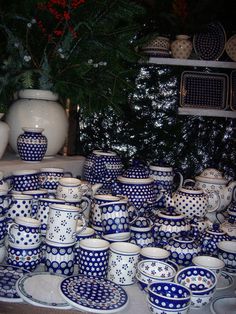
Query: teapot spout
(96, 187)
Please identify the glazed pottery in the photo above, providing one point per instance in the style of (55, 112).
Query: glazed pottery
(3, 229)
(4, 202)
(102, 167)
(43, 205)
(168, 224)
(20, 205)
(183, 249)
(25, 257)
(62, 222)
(210, 262)
(4, 131)
(115, 218)
(2, 251)
(153, 308)
(24, 180)
(155, 253)
(229, 225)
(141, 232)
(24, 231)
(95, 213)
(93, 257)
(227, 253)
(3, 183)
(209, 239)
(38, 109)
(123, 260)
(87, 233)
(169, 295)
(202, 283)
(212, 180)
(32, 144)
(181, 47)
(192, 202)
(59, 258)
(36, 194)
(49, 178)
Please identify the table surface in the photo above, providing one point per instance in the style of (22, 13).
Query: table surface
(137, 304)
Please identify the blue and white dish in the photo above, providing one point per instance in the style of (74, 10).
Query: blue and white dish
(41, 289)
(204, 90)
(225, 281)
(32, 145)
(169, 295)
(160, 310)
(156, 270)
(224, 304)
(202, 283)
(96, 295)
(8, 278)
(227, 253)
(210, 43)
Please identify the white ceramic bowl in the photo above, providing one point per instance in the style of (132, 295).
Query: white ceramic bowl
(213, 263)
(157, 253)
(227, 253)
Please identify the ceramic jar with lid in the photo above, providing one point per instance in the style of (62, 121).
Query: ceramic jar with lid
(209, 239)
(183, 249)
(169, 224)
(138, 186)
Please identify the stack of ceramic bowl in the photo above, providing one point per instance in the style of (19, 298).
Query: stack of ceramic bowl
(168, 297)
(202, 283)
(227, 253)
(151, 270)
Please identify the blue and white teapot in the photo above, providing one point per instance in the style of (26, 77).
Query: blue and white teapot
(138, 186)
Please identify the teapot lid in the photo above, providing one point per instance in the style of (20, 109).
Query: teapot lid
(212, 175)
(137, 171)
(215, 229)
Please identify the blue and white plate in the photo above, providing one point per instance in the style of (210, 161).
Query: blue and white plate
(8, 278)
(41, 289)
(210, 44)
(223, 305)
(225, 281)
(96, 295)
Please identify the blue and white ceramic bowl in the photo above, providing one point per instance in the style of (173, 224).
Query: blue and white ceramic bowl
(160, 310)
(28, 258)
(227, 253)
(156, 271)
(201, 281)
(169, 295)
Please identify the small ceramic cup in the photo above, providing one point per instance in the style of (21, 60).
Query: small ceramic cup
(25, 257)
(25, 231)
(93, 257)
(49, 178)
(20, 205)
(210, 262)
(123, 260)
(59, 258)
(155, 253)
(44, 204)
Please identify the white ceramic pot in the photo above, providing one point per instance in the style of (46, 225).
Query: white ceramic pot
(38, 109)
(4, 131)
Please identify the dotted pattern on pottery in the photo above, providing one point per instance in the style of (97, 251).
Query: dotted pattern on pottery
(181, 48)
(93, 263)
(28, 237)
(52, 180)
(63, 268)
(59, 250)
(136, 173)
(229, 259)
(28, 259)
(116, 225)
(209, 242)
(8, 278)
(26, 183)
(32, 146)
(142, 239)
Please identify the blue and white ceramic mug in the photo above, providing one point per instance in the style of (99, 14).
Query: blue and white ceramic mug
(49, 178)
(20, 205)
(36, 194)
(24, 180)
(87, 233)
(25, 231)
(123, 261)
(93, 257)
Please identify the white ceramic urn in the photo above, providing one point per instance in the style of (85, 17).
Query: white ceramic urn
(38, 109)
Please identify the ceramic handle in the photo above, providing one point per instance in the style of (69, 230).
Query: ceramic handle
(87, 203)
(9, 231)
(68, 174)
(84, 222)
(186, 181)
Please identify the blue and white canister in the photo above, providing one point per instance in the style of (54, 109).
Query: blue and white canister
(59, 258)
(32, 144)
(93, 257)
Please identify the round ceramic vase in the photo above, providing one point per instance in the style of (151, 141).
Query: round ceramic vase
(181, 47)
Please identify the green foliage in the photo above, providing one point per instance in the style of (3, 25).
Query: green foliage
(87, 57)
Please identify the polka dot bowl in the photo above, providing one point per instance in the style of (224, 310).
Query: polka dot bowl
(160, 310)
(227, 253)
(169, 295)
(201, 281)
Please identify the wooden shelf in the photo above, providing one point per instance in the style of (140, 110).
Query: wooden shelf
(207, 112)
(192, 63)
